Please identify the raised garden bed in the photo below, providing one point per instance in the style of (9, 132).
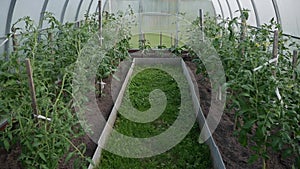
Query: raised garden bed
(189, 153)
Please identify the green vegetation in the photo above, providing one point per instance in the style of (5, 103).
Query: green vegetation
(152, 41)
(53, 53)
(270, 123)
(188, 154)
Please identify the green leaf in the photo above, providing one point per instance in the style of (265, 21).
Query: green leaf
(69, 156)
(287, 153)
(6, 144)
(253, 158)
(90, 161)
(249, 124)
(115, 77)
(42, 156)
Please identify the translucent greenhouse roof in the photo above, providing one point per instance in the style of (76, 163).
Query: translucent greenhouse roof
(157, 13)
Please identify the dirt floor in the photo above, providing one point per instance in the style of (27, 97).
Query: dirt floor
(234, 155)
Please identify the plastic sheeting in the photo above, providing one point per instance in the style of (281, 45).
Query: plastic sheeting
(155, 15)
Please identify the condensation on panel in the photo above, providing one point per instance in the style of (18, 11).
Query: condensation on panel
(24, 8)
(3, 16)
(190, 8)
(55, 7)
(71, 11)
(84, 9)
(265, 10)
(290, 18)
(114, 6)
(234, 8)
(158, 23)
(226, 10)
(217, 8)
(159, 6)
(247, 4)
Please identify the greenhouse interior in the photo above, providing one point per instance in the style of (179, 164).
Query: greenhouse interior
(150, 84)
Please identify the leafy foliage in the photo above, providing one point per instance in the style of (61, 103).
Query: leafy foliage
(271, 123)
(52, 52)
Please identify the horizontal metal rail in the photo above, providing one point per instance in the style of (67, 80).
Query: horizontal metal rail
(6, 39)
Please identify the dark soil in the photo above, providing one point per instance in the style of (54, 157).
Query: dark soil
(234, 155)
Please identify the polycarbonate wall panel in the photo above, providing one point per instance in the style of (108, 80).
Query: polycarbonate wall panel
(24, 8)
(4, 4)
(290, 18)
(160, 6)
(235, 10)
(226, 10)
(71, 11)
(247, 4)
(116, 5)
(265, 10)
(84, 9)
(158, 23)
(190, 8)
(218, 10)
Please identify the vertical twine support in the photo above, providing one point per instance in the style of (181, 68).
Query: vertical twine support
(275, 49)
(201, 19)
(201, 24)
(144, 40)
(160, 39)
(14, 39)
(50, 36)
(31, 87)
(294, 63)
(171, 39)
(243, 32)
(100, 21)
(177, 24)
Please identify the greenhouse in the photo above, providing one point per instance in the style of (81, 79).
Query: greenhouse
(149, 84)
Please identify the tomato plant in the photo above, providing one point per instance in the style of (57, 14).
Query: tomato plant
(262, 117)
(52, 52)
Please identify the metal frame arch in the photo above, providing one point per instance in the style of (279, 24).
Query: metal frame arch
(256, 14)
(222, 11)
(78, 10)
(43, 13)
(277, 12)
(239, 4)
(230, 10)
(8, 24)
(215, 11)
(63, 12)
(89, 8)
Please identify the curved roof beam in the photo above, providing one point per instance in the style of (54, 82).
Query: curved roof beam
(222, 12)
(256, 13)
(230, 10)
(89, 8)
(43, 14)
(63, 12)
(278, 17)
(8, 23)
(78, 10)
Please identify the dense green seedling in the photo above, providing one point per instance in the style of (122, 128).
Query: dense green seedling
(188, 154)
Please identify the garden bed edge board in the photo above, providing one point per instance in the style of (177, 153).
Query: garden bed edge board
(214, 151)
